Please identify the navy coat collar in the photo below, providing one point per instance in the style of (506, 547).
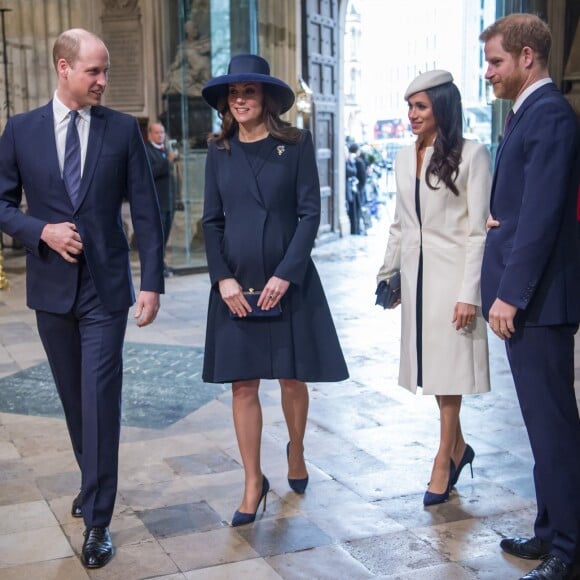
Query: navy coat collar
(254, 171)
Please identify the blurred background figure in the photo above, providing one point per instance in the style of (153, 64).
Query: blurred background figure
(355, 167)
(160, 159)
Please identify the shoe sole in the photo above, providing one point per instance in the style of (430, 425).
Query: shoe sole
(94, 566)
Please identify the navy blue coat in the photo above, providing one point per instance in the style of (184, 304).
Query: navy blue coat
(116, 168)
(259, 223)
(532, 260)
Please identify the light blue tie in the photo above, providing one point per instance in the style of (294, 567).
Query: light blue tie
(71, 172)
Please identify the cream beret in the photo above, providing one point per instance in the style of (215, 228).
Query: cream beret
(428, 80)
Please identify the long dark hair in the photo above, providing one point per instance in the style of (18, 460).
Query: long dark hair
(444, 163)
(276, 127)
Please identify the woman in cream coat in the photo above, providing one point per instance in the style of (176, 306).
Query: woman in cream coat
(436, 241)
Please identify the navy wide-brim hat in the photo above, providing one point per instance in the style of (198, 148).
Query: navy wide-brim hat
(248, 68)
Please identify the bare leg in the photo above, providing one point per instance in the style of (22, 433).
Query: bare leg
(449, 407)
(248, 424)
(460, 445)
(295, 408)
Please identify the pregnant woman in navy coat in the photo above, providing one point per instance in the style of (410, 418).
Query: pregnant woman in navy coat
(260, 220)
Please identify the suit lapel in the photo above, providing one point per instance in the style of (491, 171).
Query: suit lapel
(47, 142)
(96, 133)
(520, 115)
(518, 118)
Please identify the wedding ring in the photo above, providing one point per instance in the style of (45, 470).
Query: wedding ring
(271, 297)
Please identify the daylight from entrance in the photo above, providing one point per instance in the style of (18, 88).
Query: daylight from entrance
(388, 42)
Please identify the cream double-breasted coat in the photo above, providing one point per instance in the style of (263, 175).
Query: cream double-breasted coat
(452, 238)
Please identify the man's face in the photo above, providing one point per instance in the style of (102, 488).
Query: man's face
(83, 82)
(157, 134)
(505, 72)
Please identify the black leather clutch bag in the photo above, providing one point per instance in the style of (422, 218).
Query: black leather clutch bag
(389, 291)
(252, 297)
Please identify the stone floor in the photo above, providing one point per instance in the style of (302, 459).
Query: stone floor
(369, 449)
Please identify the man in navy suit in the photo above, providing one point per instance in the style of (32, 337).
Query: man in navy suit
(160, 160)
(75, 178)
(531, 279)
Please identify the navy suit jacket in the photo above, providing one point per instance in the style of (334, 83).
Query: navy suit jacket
(116, 168)
(161, 169)
(532, 259)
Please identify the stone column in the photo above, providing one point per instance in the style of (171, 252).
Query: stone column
(277, 40)
(123, 35)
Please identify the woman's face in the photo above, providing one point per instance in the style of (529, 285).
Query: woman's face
(246, 103)
(421, 117)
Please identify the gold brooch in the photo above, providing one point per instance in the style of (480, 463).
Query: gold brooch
(280, 149)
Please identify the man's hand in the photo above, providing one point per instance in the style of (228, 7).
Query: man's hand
(147, 307)
(501, 318)
(64, 239)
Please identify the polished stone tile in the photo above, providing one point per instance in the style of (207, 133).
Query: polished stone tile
(354, 520)
(391, 554)
(246, 570)
(161, 384)
(20, 517)
(35, 545)
(8, 451)
(283, 535)
(324, 563)
(136, 561)
(15, 491)
(439, 572)
(201, 463)
(494, 566)
(455, 539)
(177, 520)
(409, 511)
(61, 482)
(217, 547)
(60, 569)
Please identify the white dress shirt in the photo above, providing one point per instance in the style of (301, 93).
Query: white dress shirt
(61, 120)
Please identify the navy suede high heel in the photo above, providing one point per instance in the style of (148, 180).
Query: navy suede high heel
(242, 518)
(431, 498)
(297, 485)
(468, 456)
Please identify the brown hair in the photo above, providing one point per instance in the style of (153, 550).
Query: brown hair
(270, 115)
(521, 30)
(68, 44)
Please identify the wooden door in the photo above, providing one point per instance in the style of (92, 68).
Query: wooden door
(320, 70)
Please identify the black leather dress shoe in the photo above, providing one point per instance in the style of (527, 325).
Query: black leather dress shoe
(552, 568)
(76, 509)
(528, 548)
(97, 547)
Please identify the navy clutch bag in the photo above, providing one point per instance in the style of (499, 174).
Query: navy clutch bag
(389, 291)
(252, 297)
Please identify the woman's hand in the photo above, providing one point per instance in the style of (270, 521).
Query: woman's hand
(463, 315)
(273, 292)
(233, 295)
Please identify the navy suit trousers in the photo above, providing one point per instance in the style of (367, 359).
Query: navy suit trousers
(85, 348)
(542, 363)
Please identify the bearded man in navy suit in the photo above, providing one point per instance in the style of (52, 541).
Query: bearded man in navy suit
(531, 279)
(77, 264)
